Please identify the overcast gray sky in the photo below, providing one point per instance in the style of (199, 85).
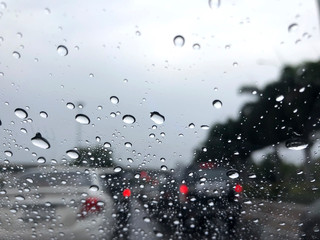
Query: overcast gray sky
(241, 43)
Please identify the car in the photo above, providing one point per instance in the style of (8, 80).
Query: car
(209, 199)
(43, 200)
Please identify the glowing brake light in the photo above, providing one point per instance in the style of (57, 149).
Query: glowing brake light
(238, 188)
(184, 189)
(126, 192)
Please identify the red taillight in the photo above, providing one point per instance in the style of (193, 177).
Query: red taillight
(91, 205)
(126, 192)
(184, 189)
(238, 188)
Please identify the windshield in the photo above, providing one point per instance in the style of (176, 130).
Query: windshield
(160, 119)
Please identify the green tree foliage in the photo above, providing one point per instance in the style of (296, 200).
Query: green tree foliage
(269, 120)
(97, 156)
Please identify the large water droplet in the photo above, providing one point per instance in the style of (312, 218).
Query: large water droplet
(62, 50)
(204, 127)
(114, 100)
(94, 188)
(196, 46)
(41, 160)
(8, 153)
(280, 98)
(128, 119)
(164, 168)
(293, 27)
(146, 219)
(40, 142)
(70, 105)
(20, 113)
(107, 145)
(73, 154)
(20, 198)
(16, 55)
(296, 144)
(178, 41)
(128, 144)
(43, 114)
(217, 104)
(233, 173)
(83, 119)
(117, 169)
(157, 117)
(30, 180)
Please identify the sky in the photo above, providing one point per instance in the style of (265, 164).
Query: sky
(126, 49)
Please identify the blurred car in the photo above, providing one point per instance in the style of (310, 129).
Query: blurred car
(209, 199)
(311, 222)
(47, 203)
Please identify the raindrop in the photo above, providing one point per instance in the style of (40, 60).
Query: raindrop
(70, 105)
(233, 173)
(280, 98)
(128, 119)
(138, 33)
(114, 100)
(130, 160)
(204, 127)
(20, 113)
(217, 104)
(196, 46)
(91, 75)
(2, 192)
(157, 117)
(62, 50)
(296, 144)
(47, 11)
(40, 142)
(73, 154)
(164, 168)
(16, 55)
(252, 176)
(41, 160)
(43, 114)
(128, 144)
(292, 27)
(191, 125)
(94, 188)
(235, 64)
(178, 41)
(3, 5)
(107, 145)
(214, 3)
(83, 119)
(19, 198)
(19, 35)
(8, 153)
(98, 139)
(146, 219)
(151, 135)
(23, 130)
(117, 169)
(30, 180)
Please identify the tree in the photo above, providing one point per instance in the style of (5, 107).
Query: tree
(97, 156)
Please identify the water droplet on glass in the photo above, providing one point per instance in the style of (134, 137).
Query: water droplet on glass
(227, 47)
(83, 119)
(128, 119)
(235, 64)
(252, 176)
(40, 142)
(47, 11)
(70, 105)
(178, 41)
(8, 153)
(30, 180)
(146, 219)
(20, 198)
(214, 3)
(280, 98)
(233, 173)
(41, 160)
(138, 33)
(117, 169)
(19, 35)
(128, 144)
(164, 168)
(98, 139)
(3, 5)
(151, 135)
(43, 114)
(296, 144)
(62, 50)
(107, 145)
(204, 127)
(23, 130)
(20, 113)
(73, 154)
(217, 104)
(94, 188)
(196, 46)
(293, 27)
(191, 125)
(157, 117)
(16, 55)
(114, 100)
